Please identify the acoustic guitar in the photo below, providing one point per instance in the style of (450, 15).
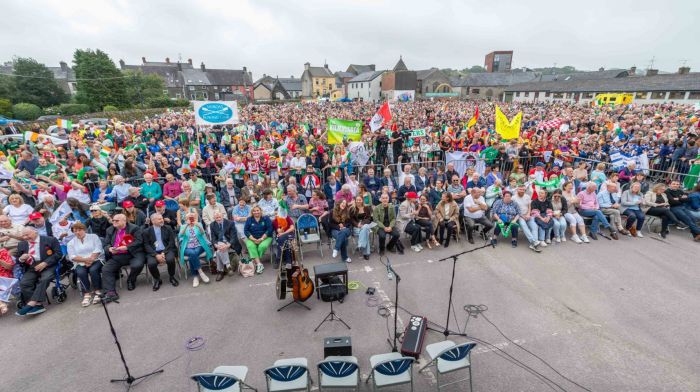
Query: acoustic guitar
(302, 285)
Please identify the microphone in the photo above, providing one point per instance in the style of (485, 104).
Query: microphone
(389, 274)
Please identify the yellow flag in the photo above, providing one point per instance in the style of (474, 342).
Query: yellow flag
(508, 129)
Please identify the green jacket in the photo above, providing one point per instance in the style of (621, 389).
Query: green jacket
(378, 216)
(184, 238)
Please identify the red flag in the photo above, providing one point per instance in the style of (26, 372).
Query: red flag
(382, 117)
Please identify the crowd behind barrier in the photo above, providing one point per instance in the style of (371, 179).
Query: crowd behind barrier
(205, 198)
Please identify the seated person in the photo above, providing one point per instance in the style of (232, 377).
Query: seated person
(447, 214)
(631, 202)
(123, 246)
(341, 229)
(193, 242)
(224, 237)
(169, 216)
(405, 221)
(361, 217)
(589, 207)
(159, 242)
(268, 204)
(240, 214)
(39, 255)
(406, 187)
(212, 207)
(283, 227)
(97, 223)
(133, 215)
(543, 212)
(88, 256)
(506, 213)
(258, 233)
(475, 212)
(385, 217)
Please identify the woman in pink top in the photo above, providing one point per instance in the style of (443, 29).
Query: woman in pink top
(172, 188)
(589, 208)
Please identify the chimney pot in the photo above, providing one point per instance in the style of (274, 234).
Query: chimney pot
(179, 66)
(167, 60)
(202, 66)
(143, 59)
(189, 61)
(601, 69)
(683, 70)
(306, 65)
(245, 69)
(652, 72)
(64, 66)
(633, 70)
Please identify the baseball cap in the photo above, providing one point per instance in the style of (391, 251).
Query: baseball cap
(160, 203)
(127, 203)
(411, 195)
(94, 207)
(35, 215)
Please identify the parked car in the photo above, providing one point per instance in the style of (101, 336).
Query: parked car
(51, 117)
(98, 122)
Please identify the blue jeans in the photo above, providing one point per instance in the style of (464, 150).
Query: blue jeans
(192, 255)
(632, 217)
(341, 241)
(362, 234)
(544, 229)
(682, 214)
(559, 227)
(87, 274)
(529, 229)
(598, 218)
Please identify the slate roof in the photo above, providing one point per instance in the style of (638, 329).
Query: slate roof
(168, 72)
(356, 69)
(342, 74)
(366, 76)
(400, 65)
(195, 77)
(291, 84)
(666, 82)
(494, 79)
(192, 76)
(320, 72)
(228, 77)
(593, 75)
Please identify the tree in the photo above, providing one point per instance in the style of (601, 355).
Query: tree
(141, 88)
(5, 107)
(474, 69)
(35, 83)
(26, 111)
(7, 87)
(100, 83)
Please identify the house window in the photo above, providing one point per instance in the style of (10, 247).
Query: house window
(216, 96)
(587, 96)
(546, 94)
(317, 82)
(475, 91)
(360, 85)
(694, 95)
(192, 97)
(677, 95)
(191, 88)
(517, 94)
(658, 95)
(557, 95)
(640, 95)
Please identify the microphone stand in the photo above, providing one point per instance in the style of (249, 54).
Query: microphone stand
(447, 332)
(390, 269)
(129, 380)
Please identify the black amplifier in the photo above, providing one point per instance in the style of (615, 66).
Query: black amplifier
(413, 336)
(337, 346)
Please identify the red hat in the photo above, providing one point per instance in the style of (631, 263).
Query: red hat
(411, 195)
(127, 203)
(35, 215)
(160, 203)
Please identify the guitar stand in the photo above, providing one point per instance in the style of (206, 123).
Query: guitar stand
(331, 316)
(294, 302)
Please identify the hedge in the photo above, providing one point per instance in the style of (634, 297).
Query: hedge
(70, 109)
(26, 111)
(5, 108)
(110, 108)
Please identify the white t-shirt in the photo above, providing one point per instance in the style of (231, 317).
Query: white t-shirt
(79, 195)
(470, 202)
(18, 215)
(522, 202)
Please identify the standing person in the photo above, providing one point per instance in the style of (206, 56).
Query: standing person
(193, 243)
(405, 222)
(258, 233)
(361, 217)
(341, 229)
(87, 254)
(385, 217)
(160, 245)
(225, 237)
(396, 145)
(40, 254)
(123, 247)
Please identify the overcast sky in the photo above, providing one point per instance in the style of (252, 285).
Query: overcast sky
(278, 37)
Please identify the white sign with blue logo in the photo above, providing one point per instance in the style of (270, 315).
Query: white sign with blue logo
(215, 112)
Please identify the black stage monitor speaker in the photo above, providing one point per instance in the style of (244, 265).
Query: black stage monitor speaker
(337, 346)
(414, 336)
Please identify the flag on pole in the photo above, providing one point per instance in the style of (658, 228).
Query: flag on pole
(380, 118)
(65, 124)
(31, 137)
(508, 129)
(474, 119)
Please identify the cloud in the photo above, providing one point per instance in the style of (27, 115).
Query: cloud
(277, 37)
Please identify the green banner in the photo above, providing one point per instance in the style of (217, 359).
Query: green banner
(344, 129)
(418, 133)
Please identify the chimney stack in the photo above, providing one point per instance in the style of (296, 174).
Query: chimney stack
(264, 76)
(601, 69)
(652, 72)
(189, 61)
(143, 60)
(167, 60)
(121, 63)
(245, 69)
(325, 65)
(179, 66)
(632, 71)
(202, 66)
(306, 66)
(683, 70)
(64, 66)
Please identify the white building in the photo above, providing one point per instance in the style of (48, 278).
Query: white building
(366, 86)
(681, 87)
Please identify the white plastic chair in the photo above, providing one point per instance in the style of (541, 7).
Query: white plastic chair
(390, 369)
(449, 357)
(223, 379)
(288, 375)
(338, 372)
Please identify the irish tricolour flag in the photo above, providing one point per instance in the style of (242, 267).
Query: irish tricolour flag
(65, 124)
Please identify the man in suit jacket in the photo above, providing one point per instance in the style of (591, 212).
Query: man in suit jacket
(224, 236)
(159, 243)
(40, 254)
(119, 255)
(228, 195)
(11, 129)
(40, 224)
(385, 216)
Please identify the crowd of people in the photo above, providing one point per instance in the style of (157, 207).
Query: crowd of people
(163, 191)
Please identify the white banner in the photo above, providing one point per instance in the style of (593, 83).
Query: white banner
(360, 156)
(463, 160)
(215, 112)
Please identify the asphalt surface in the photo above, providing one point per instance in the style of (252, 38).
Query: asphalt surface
(610, 316)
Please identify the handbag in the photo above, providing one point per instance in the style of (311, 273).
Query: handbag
(246, 268)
